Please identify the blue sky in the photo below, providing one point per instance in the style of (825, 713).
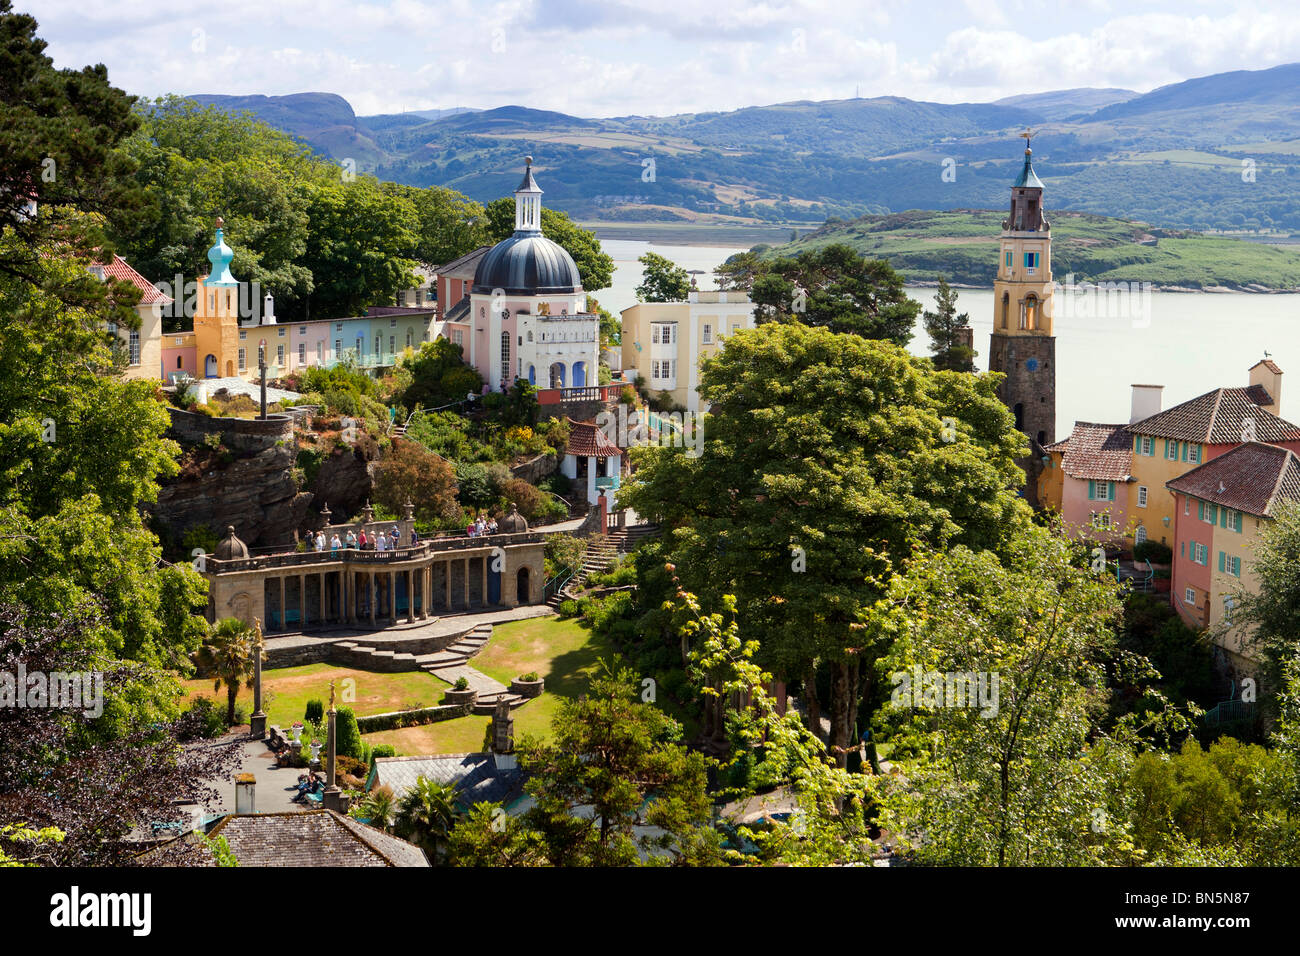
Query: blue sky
(658, 57)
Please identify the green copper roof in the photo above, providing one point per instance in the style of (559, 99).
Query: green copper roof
(220, 255)
(1027, 176)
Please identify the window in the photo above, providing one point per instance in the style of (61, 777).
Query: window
(279, 356)
(1202, 555)
(654, 369)
(1006, 260)
(1031, 260)
(392, 344)
(1101, 491)
(1171, 450)
(338, 327)
(1189, 597)
(1228, 605)
(1236, 521)
(320, 351)
(338, 347)
(1148, 445)
(379, 345)
(134, 346)
(408, 338)
(458, 336)
(302, 330)
(706, 334)
(1142, 496)
(1187, 506)
(392, 323)
(505, 351)
(1140, 534)
(243, 359)
(1194, 454)
(243, 334)
(280, 331)
(1101, 519)
(1234, 567)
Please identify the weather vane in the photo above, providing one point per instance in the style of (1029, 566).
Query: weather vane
(1027, 134)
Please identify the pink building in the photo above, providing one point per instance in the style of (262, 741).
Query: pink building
(1095, 467)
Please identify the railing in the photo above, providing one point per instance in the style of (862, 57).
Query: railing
(1229, 710)
(356, 556)
(557, 583)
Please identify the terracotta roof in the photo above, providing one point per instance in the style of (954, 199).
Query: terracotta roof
(1060, 446)
(1217, 417)
(1268, 364)
(121, 270)
(587, 440)
(1252, 478)
(313, 838)
(1098, 451)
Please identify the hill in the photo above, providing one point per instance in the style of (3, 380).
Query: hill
(1186, 156)
(962, 246)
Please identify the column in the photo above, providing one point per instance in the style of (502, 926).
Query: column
(484, 588)
(284, 621)
(446, 580)
(302, 601)
(410, 596)
(466, 584)
(392, 596)
(373, 597)
(322, 597)
(352, 595)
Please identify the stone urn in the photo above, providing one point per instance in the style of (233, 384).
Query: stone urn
(316, 748)
(295, 732)
(528, 688)
(454, 697)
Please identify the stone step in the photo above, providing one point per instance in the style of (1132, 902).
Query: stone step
(488, 704)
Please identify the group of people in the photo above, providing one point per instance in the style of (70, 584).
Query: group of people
(308, 783)
(482, 526)
(363, 542)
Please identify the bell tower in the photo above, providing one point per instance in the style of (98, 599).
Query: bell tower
(1022, 346)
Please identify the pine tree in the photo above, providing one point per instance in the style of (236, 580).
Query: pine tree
(945, 338)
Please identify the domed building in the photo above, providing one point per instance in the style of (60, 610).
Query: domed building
(528, 310)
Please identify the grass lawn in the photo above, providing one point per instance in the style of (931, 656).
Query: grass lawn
(563, 652)
(286, 690)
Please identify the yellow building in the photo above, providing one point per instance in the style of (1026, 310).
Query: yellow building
(216, 317)
(142, 347)
(663, 342)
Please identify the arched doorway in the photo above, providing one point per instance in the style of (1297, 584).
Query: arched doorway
(1031, 312)
(230, 369)
(1006, 309)
(210, 367)
(1019, 412)
(557, 375)
(579, 374)
(532, 375)
(1140, 535)
(522, 593)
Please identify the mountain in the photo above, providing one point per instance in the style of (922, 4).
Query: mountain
(1174, 156)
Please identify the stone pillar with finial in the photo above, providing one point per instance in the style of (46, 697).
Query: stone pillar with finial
(332, 798)
(257, 722)
(261, 371)
(503, 736)
(369, 512)
(325, 513)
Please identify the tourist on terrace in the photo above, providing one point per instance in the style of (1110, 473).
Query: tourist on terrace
(492, 526)
(320, 541)
(469, 529)
(415, 536)
(395, 537)
(352, 540)
(335, 543)
(381, 543)
(364, 541)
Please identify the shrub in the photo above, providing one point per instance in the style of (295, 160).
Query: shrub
(568, 609)
(203, 720)
(1153, 551)
(462, 683)
(383, 750)
(530, 676)
(349, 736)
(314, 713)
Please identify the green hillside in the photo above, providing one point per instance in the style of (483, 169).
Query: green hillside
(962, 245)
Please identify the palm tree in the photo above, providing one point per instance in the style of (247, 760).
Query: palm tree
(426, 814)
(227, 655)
(378, 807)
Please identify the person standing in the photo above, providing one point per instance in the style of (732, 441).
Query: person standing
(381, 543)
(352, 540)
(335, 544)
(364, 543)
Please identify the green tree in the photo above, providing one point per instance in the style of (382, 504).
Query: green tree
(426, 815)
(595, 268)
(409, 472)
(943, 327)
(447, 224)
(662, 280)
(439, 376)
(378, 807)
(347, 734)
(834, 287)
(228, 657)
(826, 458)
(611, 766)
(1269, 612)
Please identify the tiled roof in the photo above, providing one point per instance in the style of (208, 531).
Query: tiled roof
(587, 440)
(313, 838)
(465, 266)
(399, 310)
(1252, 478)
(1217, 417)
(458, 312)
(1268, 364)
(475, 776)
(121, 270)
(1096, 451)
(1060, 446)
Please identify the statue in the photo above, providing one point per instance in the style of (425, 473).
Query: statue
(257, 722)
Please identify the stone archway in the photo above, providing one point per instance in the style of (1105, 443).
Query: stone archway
(210, 367)
(522, 593)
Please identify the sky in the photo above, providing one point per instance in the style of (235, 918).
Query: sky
(658, 57)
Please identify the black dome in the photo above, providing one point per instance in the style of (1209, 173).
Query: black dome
(527, 264)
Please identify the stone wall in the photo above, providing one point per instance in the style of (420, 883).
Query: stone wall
(240, 435)
(535, 469)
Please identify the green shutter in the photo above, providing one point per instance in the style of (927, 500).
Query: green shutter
(1137, 443)
(1200, 511)
(1092, 490)
(1183, 446)
(1222, 557)
(1237, 522)
(1236, 566)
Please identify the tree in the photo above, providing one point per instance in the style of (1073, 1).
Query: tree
(410, 472)
(997, 671)
(826, 459)
(739, 271)
(91, 779)
(347, 734)
(378, 807)
(59, 132)
(228, 657)
(447, 225)
(595, 268)
(943, 327)
(662, 280)
(612, 768)
(439, 376)
(426, 815)
(835, 288)
(1269, 613)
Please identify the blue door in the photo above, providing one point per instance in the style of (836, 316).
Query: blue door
(494, 585)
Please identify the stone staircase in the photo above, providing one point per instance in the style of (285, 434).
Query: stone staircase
(601, 554)
(456, 654)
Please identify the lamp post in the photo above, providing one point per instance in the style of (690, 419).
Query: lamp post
(257, 722)
(261, 370)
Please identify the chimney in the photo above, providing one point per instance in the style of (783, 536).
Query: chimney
(1146, 402)
(503, 736)
(1266, 373)
(245, 796)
